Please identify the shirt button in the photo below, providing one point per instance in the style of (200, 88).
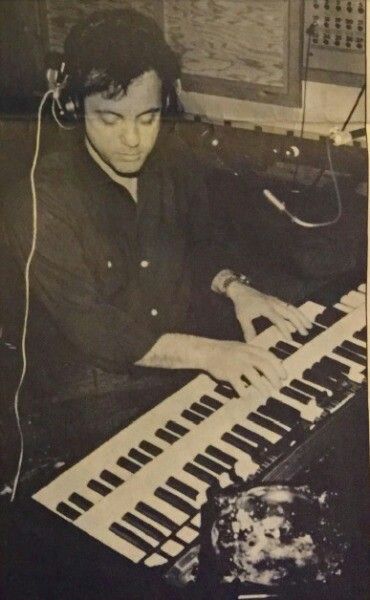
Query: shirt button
(109, 264)
(154, 312)
(144, 264)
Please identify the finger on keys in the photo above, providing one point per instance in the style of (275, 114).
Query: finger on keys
(280, 323)
(296, 317)
(248, 329)
(260, 383)
(269, 375)
(238, 385)
(269, 359)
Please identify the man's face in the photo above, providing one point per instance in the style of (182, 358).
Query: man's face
(124, 130)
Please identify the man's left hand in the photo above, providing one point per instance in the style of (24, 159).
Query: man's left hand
(250, 303)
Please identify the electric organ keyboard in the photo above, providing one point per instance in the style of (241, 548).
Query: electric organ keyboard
(141, 492)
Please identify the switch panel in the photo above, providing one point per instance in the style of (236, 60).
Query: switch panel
(338, 40)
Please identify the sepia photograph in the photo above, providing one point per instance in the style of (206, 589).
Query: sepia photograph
(183, 267)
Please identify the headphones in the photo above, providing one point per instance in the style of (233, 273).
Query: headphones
(64, 105)
(67, 106)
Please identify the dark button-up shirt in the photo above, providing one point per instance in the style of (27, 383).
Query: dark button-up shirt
(109, 277)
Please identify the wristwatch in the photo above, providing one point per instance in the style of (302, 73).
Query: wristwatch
(225, 278)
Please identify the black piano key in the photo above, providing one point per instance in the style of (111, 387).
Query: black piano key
(350, 355)
(150, 448)
(176, 428)
(319, 378)
(141, 458)
(211, 402)
(231, 439)
(312, 333)
(144, 526)
(201, 409)
(209, 464)
(98, 487)
(352, 347)
(361, 335)
(200, 474)
(221, 455)
(182, 487)
(225, 390)
(128, 464)
(287, 348)
(111, 478)
(131, 537)
(329, 316)
(320, 396)
(305, 388)
(191, 416)
(67, 511)
(294, 394)
(156, 516)
(175, 501)
(261, 324)
(251, 436)
(166, 436)
(334, 366)
(267, 424)
(277, 410)
(80, 501)
(278, 353)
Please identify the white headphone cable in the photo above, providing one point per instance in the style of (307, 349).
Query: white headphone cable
(27, 290)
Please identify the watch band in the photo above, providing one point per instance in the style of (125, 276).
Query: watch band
(225, 278)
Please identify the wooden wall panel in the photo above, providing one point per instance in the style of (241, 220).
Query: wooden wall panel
(246, 49)
(62, 14)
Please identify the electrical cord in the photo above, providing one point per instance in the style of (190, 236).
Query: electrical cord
(27, 291)
(282, 208)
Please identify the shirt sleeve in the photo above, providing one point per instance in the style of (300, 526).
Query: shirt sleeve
(61, 280)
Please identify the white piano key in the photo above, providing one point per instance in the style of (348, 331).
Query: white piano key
(127, 549)
(197, 503)
(243, 439)
(310, 412)
(362, 288)
(317, 386)
(347, 361)
(343, 307)
(194, 503)
(187, 535)
(236, 453)
(155, 560)
(144, 536)
(270, 436)
(354, 299)
(196, 520)
(357, 341)
(199, 486)
(172, 548)
(243, 470)
(171, 512)
(149, 521)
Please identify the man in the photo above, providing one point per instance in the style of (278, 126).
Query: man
(129, 270)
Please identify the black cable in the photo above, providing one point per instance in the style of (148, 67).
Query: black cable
(350, 115)
(353, 108)
(309, 32)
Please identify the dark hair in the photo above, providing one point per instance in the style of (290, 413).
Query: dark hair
(107, 50)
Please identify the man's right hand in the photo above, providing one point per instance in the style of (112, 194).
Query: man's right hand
(240, 363)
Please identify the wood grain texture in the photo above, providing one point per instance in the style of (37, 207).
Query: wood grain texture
(62, 14)
(236, 40)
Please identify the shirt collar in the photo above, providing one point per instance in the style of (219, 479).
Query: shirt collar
(129, 183)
